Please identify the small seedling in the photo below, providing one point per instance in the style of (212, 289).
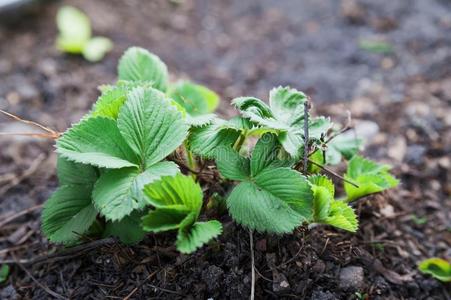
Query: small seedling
(437, 268)
(119, 167)
(376, 46)
(75, 35)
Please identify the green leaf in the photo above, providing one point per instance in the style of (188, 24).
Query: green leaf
(323, 194)
(151, 125)
(4, 273)
(110, 102)
(257, 111)
(74, 29)
(342, 146)
(201, 120)
(317, 157)
(128, 230)
(289, 186)
(163, 219)
(323, 181)
(204, 141)
(341, 215)
(260, 210)
(118, 193)
(98, 142)
(71, 173)
(231, 164)
(138, 64)
(369, 176)
(264, 154)
(178, 201)
(318, 127)
(275, 198)
(287, 104)
(437, 267)
(113, 98)
(284, 116)
(199, 234)
(176, 191)
(194, 98)
(96, 48)
(68, 214)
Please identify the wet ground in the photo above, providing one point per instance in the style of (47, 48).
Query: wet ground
(387, 61)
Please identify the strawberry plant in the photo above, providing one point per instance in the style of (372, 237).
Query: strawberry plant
(150, 152)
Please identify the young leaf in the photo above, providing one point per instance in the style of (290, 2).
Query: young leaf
(179, 191)
(152, 127)
(75, 30)
(342, 216)
(96, 48)
(285, 115)
(201, 120)
(199, 234)
(437, 267)
(98, 142)
(68, 214)
(117, 193)
(369, 176)
(113, 98)
(323, 194)
(177, 201)
(274, 199)
(194, 98)
(342, 146)
(138, 64)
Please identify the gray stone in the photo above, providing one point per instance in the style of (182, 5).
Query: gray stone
(351, 278)
(322, 295)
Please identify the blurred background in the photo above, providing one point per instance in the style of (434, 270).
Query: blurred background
(333, 50)
(387, 61)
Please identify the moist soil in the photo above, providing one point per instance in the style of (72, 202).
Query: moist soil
(399, 99)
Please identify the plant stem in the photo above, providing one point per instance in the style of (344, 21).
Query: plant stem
(192, 164)
(251, 242)
(240, 141)
(306, 137)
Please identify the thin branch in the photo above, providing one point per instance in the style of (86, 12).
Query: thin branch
(28, 172)
(19, 214)
(343, 130)
(251, 242)
(140, 285)
(69, 253)
(52, 132)
(332, 173)
(34, 135)
(45, 288)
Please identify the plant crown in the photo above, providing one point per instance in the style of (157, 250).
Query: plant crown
(119, 167)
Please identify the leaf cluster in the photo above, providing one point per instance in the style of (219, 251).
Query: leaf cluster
(116, 178)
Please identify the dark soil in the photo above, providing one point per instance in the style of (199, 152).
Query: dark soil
(239, 48)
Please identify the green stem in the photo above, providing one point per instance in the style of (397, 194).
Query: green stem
(192, 164)
(240, 141)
